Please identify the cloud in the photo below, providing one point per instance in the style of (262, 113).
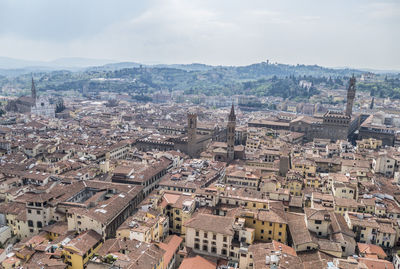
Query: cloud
(230, 32)
(382, 10)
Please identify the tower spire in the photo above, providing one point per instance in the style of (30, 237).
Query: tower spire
(33, 90)
(230, 141)
(232, 116)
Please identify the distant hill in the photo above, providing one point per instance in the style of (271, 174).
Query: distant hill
(260, 79)
(378, 71)
(187, 67)
(11, 66)
(113, 66)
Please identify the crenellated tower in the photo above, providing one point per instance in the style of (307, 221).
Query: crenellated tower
(351, 94)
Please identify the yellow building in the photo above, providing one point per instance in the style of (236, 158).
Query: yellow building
(178, 207)
(295, 186)
(80, 249)
(292, 108)
(247, 198)
(294, 183)
(11, 263)
(312, 182)
(306, 167)
(369, 143)
(268, 224)
(15, 215)
(144, 227)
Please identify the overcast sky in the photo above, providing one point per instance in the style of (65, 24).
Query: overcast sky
(354, 33)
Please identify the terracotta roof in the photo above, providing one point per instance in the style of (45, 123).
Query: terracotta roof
(212, 223)
(197, 262)
(298, 229)
(57, 228)
(83, 242)
(171, 245)
(289, 258)
(376, 263)
(371, 249)
(139, 255)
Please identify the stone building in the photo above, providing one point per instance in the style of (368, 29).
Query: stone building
(192, 134)
(227, 151)
(191, 140)
(24, 103)
(334, 125)
(195, 142)
(376, 130)
(351, 94)
(39, 106)
(43, 108)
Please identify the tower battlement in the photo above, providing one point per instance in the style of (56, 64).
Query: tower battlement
(351, 94)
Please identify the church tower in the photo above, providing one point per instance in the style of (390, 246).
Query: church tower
(231, 135)
(33, 90)
(351, 94)
(191, 134)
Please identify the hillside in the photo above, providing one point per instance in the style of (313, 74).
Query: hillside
(261, 79)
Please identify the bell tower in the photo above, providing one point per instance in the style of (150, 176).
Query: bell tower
(33, 90)
(351, 94)
(230, 141)
(192, 134)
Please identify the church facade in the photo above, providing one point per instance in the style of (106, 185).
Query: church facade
(39, 106)
(43, 108)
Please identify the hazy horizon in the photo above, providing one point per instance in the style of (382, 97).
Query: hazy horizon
(108, 61)
(355, 34)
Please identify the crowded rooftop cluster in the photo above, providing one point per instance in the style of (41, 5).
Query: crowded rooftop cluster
(127, 184)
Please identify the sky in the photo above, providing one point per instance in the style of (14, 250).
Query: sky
(351, 33)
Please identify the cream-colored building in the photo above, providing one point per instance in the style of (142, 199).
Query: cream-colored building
(242, 177)
(371, 230)
(318, 221)
(345, 190)
(384, 164)
(343, 205)
(214, 235)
